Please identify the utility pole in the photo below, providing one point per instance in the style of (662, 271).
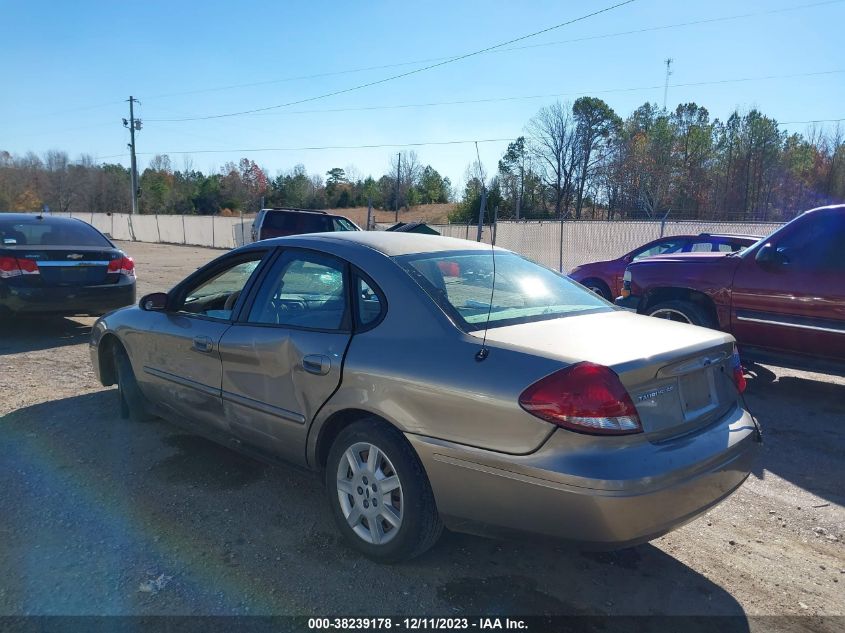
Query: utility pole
(668, 63)
(398, 168)
(134, 125)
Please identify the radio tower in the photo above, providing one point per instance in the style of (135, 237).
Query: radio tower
(669, 61)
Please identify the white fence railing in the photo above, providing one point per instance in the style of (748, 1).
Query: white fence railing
(195, 230)
(557, 245)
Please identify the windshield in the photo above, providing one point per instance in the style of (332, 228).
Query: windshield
(461, 282)
(49, 232)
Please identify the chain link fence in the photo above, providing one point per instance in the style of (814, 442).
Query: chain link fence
(558, 245)
(562, 246)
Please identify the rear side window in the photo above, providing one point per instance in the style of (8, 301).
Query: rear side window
(369, 303)
(342, 224)
(49, 232)
(297, 223)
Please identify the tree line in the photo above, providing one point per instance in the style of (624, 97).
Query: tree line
(31, 182)
(582, 160)
(579, 160)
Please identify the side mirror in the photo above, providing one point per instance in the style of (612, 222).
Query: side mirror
(153, 302)
(768, 254)
(628, 258)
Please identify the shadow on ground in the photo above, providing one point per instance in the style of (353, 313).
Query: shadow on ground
(20, 334)
(803, 423)
(116, 518)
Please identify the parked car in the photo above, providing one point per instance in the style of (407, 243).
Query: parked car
(550, 411)
(605, 278)
(51, 265)
(783, 298)
(282, 222)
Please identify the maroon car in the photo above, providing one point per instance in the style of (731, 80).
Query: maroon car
(605, 278)
(782, 298)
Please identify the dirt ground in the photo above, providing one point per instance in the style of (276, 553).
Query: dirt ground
(100, 516)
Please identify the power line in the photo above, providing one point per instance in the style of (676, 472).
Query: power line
(501, 50)
(417, 70)
(537, 96)
(813, 121)
(317, 148)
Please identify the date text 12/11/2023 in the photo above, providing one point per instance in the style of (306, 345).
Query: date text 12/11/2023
(416, 624)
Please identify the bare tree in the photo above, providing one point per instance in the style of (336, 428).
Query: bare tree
(552, 134)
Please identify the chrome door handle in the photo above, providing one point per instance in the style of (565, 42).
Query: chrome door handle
(317, 364)
(203, 344)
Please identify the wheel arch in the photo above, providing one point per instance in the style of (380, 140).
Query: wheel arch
(673, 293)
(106, 346)
(331, 427)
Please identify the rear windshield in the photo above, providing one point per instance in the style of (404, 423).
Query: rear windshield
(461, 283)
(49, 232)
(298, 222)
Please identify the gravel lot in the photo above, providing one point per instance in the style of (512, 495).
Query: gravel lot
(100, 516)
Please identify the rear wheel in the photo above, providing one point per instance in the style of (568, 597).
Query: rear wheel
(379, 493)
(133, 404)
(683, 312)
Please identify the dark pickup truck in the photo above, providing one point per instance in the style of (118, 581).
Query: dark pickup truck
(782, 298)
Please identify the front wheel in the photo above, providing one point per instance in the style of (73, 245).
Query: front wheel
(379, 493)
(683, 312)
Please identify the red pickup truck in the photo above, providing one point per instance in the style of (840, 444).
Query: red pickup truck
(782, 298)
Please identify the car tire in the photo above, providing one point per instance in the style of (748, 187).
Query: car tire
(683, 312)
(414, 524)
(133, 404)
(599, 287)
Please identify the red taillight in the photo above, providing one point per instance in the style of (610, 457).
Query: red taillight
(123, 266)
(15, 266)
(738, 372)
(585, 397)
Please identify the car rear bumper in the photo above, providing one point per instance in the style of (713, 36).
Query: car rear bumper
(574, 491)
(67, 300)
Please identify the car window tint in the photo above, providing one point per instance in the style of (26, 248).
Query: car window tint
(297, 223)
(303, 290)
(216, 297)
(816, 245)
(725, 247)
(369, 304)
(461, 283)
(49, 232)
(669, 246)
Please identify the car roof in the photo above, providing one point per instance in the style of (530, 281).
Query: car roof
(22, 217)
(388, 243)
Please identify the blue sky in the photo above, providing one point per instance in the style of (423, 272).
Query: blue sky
(67, 68)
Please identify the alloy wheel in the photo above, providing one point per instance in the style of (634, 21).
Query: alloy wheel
(370, 493)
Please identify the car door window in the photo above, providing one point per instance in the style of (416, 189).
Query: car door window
(215, 297)
(669, 246)
(816, 246)
(305, 290)
(370, 304)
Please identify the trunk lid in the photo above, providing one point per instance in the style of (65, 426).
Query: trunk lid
(67, 266)
(679, 376)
